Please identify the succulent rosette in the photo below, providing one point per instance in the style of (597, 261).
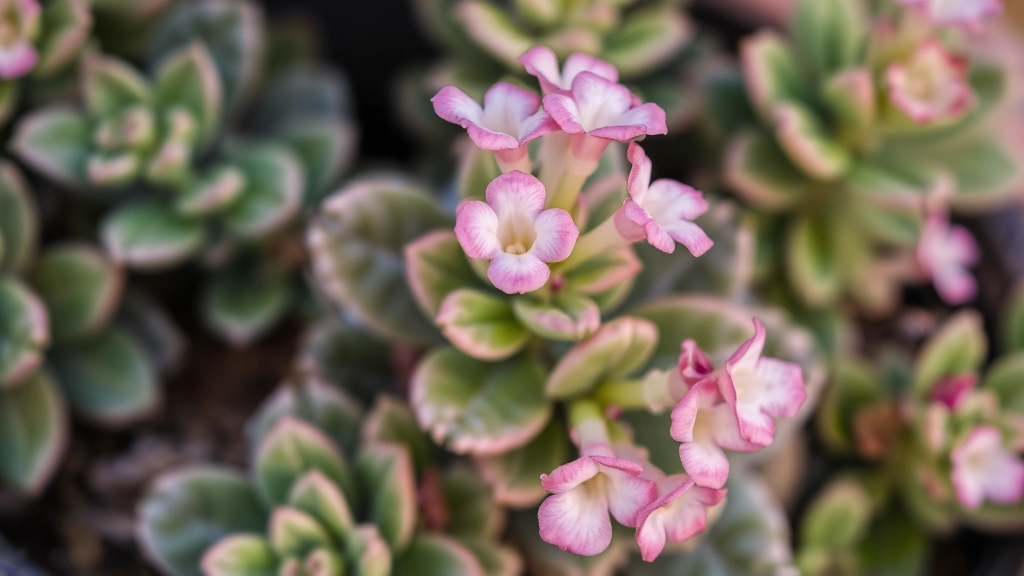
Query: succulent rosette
(854, 126)
(938, 442)
(212, 158)
(535, 369)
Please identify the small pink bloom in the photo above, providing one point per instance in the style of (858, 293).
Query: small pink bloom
(952, 391)
(705, 425)
(968, 13)
(944, 253)
(541, 62)
(510, 118)
(932, 85)
(694, 365)
(678, 513)
(760, 389)
(514, 231)
(18, 29)
(983, 469)
(604, 109)
(661, 211)
(584, 492)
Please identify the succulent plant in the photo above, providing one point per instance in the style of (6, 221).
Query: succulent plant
(68, 339)
(939, 437)
(212, 158)
(854, 138)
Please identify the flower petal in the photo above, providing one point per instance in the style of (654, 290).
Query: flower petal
(694, 365)
(556, 235)
(18, 59)
(517, 273)
(562, 108)
(542, 63)
(640, 174)
(570, 475)
(576, 521)
(455, 106)
(783, 391)
(579, 62)
(628, 494)
(705, 462)
(476, 227)
(516, 193)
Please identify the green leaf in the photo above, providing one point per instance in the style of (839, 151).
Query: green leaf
(290, 450)
(295, 533)
(960, 346)
(65, 29)
(758, 170)
(300, 95)
(272, 197)
(392, 421)
(832, 35)
(57, 142)
(812, 266)
(471, 512)
(805, 141)
(316, 495)
(356, 248)
(568, 317)
(436, 555)
(477, 169)
(148, 235)
(24, 332)
(495, 559)
(616, 350)
(493, 30)
(325, 147)
(386, 477)
(239, 555)
(33, 433)
(19, 221)
(514, 475)
(368, 551)
(855, 384)
(838, 517)
(211, 194)
(111, 85)
(603, 273)
(187, 79)
(895, 546)
(1012, 328)
(151, 328)
(771, 72)
(987, 174)
(81, 289)
(323, 562)
(476, 407)
(851, 97)
(188, 510)
(436, 265)
(242, 304)
(312, 400)
(481, 325)
(1004, 378)
(646, 39)
(107, 378)
(350, 358)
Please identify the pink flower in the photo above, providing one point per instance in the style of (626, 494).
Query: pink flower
(18, 28)
(931, 86)
(678, 513)
(510, 118)
(944, 253)
(952, 391)
(968, 13)
(694, 365)
(541, 62)
(984, 469)
(705, 424)
(662, 211)
(584, 492)
(514, 231)
(760, 389)
(604, 109)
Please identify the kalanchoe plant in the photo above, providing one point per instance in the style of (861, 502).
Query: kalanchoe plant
(525, 283)
(942, 439)
(200, 161)
(68, 339)
(334, 489)
(856, 137)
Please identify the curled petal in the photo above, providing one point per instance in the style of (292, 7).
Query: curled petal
(570, 475)
(604, 109)
(679, 513)
(640, 174)
(476, 227)
(628, 493)
(576, 521)
(509, 118)
(556, 235)
(705, 462)
(694, 365)
(541, 62)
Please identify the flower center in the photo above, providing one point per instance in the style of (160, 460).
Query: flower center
(516, 234)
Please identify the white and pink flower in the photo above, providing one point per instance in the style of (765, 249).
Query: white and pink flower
(694, 365)
(969, 13)
(510, 118)
(984, 469)
(604, 109)
(951, 392)
(945, 253)
(514, 231)
(661, 211)
(705, 426)
(931, 86)
(760, 389)
(19, 26)
(679, 513)
(542, 63)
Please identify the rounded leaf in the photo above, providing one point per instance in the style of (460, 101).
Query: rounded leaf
(273, 190)
(392, 420)
(290, 450)
(515, 475)
(81, 288)
(241, 304)
(567, 317)
(471, 512)
(65, 30)
(187, 79)
(293, 533)
(24, 331)
(239, 555)
(646, 39)
(476, 407)
(619, 348)
(316, 495)
(148, 235)
(56, 141)
(813, 264)
(960, 346)
(19, 221)
(436, 555)
(481, 325)
(386, 478)
(33, 433)
(436, 266)
(110, 85)
(838, 517)
(758, 170)
(357, 244)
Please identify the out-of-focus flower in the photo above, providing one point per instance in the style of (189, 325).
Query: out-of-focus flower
(661, 211)
(679, 513)
(968, 13)
(944, 254)
(694, 365)
(983, 469)
(952, 391)
(760, 389)
(514, 231)
(705, 425)
(19, 26)
(931, 86)
(510, 118)
(541, 62)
